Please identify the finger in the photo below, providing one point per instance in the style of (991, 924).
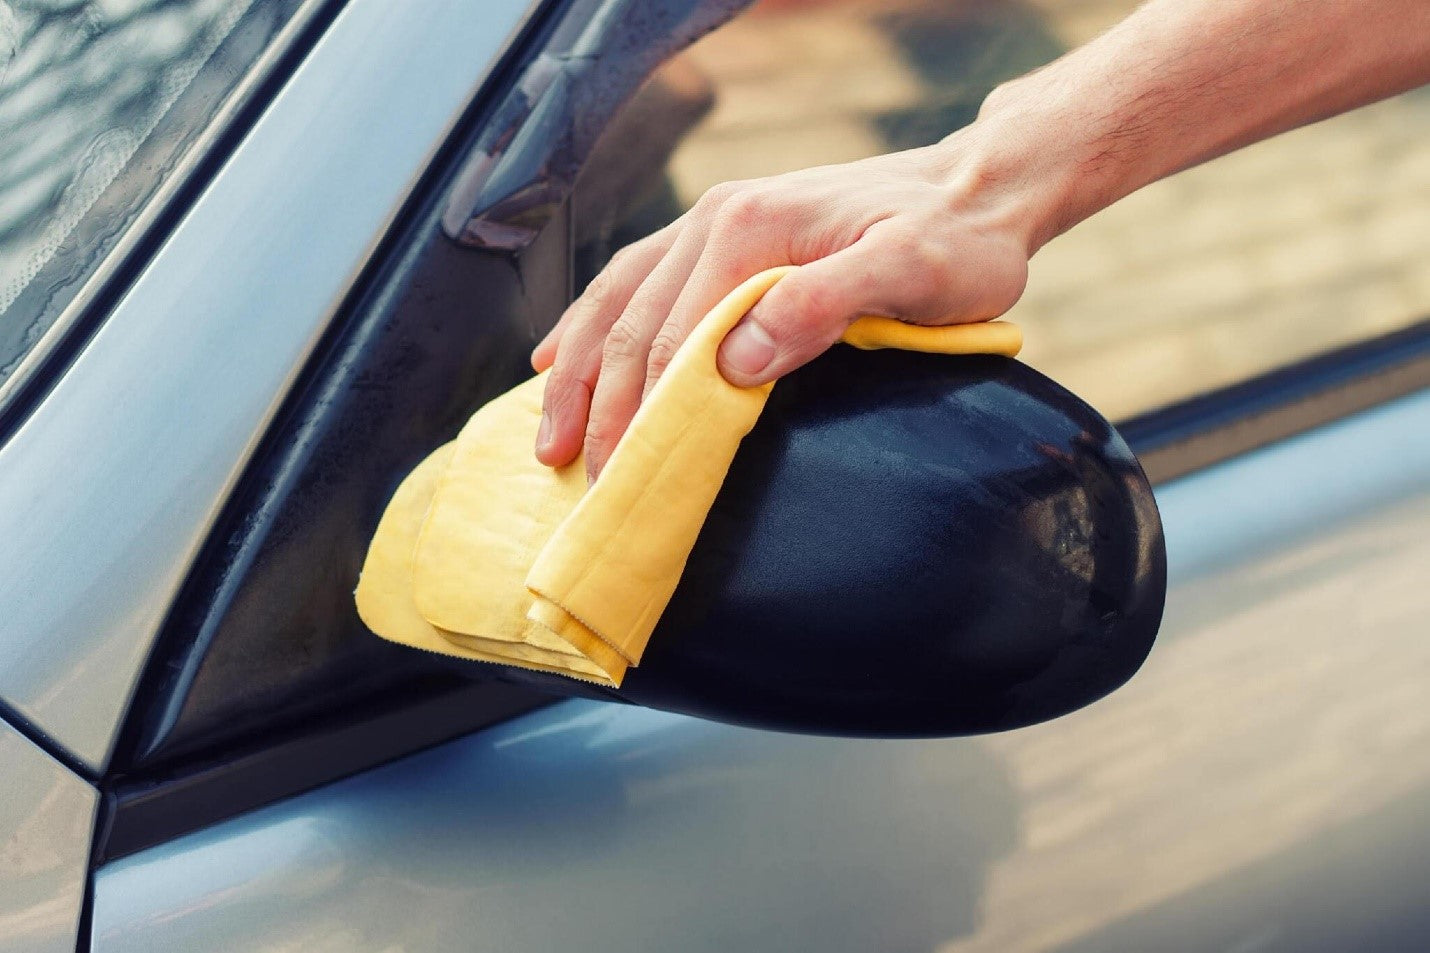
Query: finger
(627, 268)
(617, 394)
(544, 354)
(806, 312)
(724, 263)
(566, 400)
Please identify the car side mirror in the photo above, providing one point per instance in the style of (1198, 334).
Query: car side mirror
(912, 545)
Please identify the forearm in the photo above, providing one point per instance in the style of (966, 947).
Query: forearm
(1183, 81)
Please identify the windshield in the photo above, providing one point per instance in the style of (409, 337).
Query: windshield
(98, 101)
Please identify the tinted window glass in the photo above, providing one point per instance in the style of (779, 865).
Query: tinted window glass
(97, 102)
(1303, 243)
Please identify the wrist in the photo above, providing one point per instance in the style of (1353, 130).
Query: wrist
(1018, 166)
(1079, 137)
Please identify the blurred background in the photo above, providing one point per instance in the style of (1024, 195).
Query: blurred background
(1300, 244)
(1297, 245)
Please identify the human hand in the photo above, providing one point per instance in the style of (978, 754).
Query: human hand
(929, 236)
(943, 234)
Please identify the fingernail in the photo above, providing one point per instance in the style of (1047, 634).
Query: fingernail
(748, 349)
(543, 433)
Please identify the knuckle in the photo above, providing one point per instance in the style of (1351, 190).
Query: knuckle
(662, 350)
(623, 342)
(743, 211)
(560, 391)
(601, 291)
(560, 380)
(574, 353)
(909, 247)
(807, 309)
(933, 254)
(626, 258)
(716, 196)
(929, 265)
(600, 434)
(936, 259)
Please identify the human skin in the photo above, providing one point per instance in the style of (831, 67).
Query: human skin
(943, 234)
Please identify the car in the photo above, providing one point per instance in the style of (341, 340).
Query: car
(260, 258)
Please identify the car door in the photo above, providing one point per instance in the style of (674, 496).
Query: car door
(265, 788)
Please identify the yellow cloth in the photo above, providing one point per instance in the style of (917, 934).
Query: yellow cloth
(484, 553)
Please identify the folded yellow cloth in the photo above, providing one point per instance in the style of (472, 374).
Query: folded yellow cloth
(486, 554)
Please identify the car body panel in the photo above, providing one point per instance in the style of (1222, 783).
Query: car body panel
(46, 812)
(1259, 785)
(113, 481)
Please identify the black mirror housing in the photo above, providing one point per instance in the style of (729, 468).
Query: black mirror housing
(913, 545)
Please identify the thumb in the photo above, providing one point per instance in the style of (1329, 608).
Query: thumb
(798, 319)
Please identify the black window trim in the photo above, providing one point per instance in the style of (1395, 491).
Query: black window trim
(1205, 430)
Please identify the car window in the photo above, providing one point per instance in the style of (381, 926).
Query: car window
(98, 100)
(1300, 244)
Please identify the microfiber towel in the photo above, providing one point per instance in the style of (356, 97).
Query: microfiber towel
(484, 553)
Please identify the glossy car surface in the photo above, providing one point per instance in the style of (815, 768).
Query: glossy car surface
(1232, 796)
(201, 750)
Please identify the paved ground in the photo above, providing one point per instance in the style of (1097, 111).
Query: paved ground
(1300, 244)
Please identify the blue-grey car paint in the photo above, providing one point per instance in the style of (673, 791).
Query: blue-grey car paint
(1258, 786)
(109, 487)
(45, 816)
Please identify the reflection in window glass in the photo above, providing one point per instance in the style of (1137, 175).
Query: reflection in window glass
(1303, 243)
(97, 99)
